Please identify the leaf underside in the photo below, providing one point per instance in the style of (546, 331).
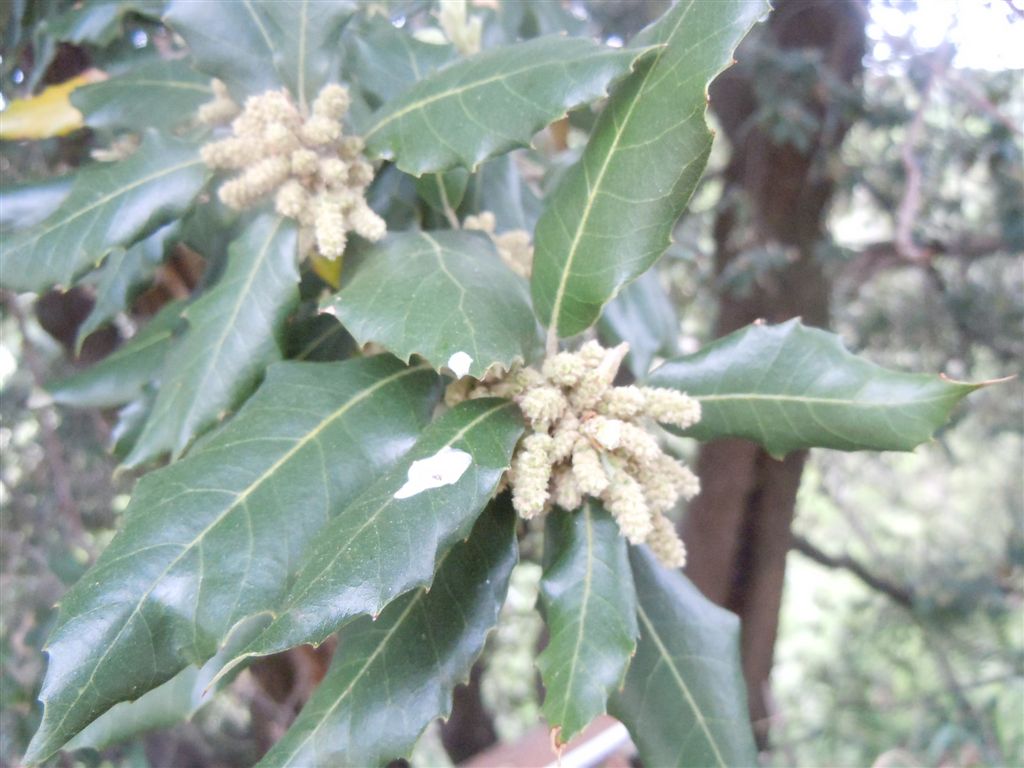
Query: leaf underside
(121, 375)
(643, 316)
(790, 387)
(123, 274)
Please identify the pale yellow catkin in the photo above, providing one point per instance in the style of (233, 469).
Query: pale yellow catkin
(588, 438)
(513, 246)
(314, 173)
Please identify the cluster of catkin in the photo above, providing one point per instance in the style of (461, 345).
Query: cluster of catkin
(513, 246)
(317, 175)
(586, 437)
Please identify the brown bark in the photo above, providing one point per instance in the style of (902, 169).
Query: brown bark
(738, 530)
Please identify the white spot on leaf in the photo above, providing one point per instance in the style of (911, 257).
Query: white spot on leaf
(443, 468)
(459, 364)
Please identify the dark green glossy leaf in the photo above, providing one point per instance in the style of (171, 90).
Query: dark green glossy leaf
(387, 541)
(218, 536)
(443, 191)
(123, 273)
(258, 46)
(111, 205)
(408, 661)
(491, 102)
(789, 387)
(175, 701)
(642, 315)
(684, 700)
(130, 421)
(158, 93)
(612, 215)
(385, 61)
(99, 22)
(234, 333)
(318, 337)
(122, 375)
(590, 608)
(437, 294)
(24, 205)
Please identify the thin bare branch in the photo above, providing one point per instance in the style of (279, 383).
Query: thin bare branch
(900, 594)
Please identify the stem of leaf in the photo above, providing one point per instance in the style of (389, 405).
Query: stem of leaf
(449, 212)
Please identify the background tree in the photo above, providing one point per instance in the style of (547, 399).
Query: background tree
(785, 111)
(934, 150)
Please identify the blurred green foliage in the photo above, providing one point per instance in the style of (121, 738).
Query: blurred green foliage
(860, 679)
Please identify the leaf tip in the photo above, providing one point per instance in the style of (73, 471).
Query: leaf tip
(977, 384)
(557, 745)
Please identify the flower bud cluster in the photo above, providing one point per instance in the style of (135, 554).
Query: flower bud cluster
(586, 438)
(316, 174)
(513, 246)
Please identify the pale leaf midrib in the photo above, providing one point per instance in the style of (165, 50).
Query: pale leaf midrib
(184, 85)
(677, 675)
(362, 671)
(301, 73)
(243, 298)
(585, 609)
(805, 400)
(460, 89)
(106, 199)
(592, 192)
(369, 660)
(240, 498)
(459, 435)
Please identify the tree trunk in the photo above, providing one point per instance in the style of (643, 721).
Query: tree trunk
(738, 530)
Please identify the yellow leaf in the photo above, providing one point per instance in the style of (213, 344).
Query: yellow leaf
(329, 270)
(47, 114)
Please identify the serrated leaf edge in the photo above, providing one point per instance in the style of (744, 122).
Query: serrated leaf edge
(34, 756)
(505, 146)
(553, 334)
(414, 585)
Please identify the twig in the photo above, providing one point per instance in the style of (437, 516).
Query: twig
(979, 100)
(900, 594)
(910, 203)
(1015, 9)
(905, 598)
(449, 212)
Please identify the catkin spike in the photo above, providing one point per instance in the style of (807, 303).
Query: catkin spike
(315, 173)
(587, 438)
